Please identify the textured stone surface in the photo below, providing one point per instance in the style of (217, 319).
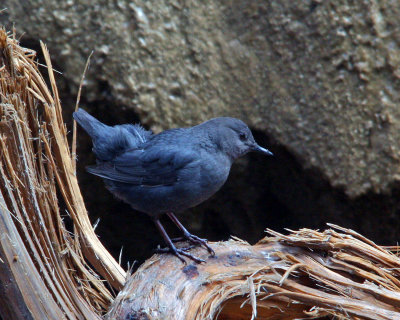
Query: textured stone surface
(320, 79)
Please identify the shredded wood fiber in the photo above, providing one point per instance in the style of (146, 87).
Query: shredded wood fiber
(47, 261)
(306, 274)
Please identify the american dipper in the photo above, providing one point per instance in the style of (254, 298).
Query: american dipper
(168, 172)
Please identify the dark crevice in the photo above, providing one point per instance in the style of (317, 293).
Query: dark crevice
(261, 192)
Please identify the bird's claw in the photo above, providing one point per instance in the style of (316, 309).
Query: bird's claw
(195, 240)
(168, 250)
(179, 239)
(199, 241)
(180, 252)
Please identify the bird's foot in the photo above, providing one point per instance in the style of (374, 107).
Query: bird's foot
(198, 241)
(190, 237)
(179, 239)
(180, 252)
(167, 250)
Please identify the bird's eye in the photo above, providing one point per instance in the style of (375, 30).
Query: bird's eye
(242, 136)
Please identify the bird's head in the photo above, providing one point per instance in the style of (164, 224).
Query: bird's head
(233, 137)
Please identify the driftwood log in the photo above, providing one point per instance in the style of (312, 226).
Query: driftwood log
(50, 272)
(307, 274)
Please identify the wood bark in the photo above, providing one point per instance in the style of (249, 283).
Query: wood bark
(306, 274)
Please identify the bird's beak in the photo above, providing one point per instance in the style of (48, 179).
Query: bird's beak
(262, 150)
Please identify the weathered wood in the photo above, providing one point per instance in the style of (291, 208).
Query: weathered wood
(307, 274)
(45, 274)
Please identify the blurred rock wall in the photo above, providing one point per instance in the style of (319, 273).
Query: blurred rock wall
(317, 80)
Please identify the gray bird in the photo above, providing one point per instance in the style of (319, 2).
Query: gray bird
(169, 172)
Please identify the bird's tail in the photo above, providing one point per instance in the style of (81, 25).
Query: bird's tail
(110, 141)
(92, 126)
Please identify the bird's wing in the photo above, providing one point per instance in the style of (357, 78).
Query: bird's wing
(153, 167)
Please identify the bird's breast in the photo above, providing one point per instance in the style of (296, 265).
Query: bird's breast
(214, 172)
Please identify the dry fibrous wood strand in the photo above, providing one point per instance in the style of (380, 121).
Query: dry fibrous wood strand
(303, 275)
(49, 265)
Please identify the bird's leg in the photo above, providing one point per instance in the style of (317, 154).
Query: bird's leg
(171, 247)
(191, 237)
